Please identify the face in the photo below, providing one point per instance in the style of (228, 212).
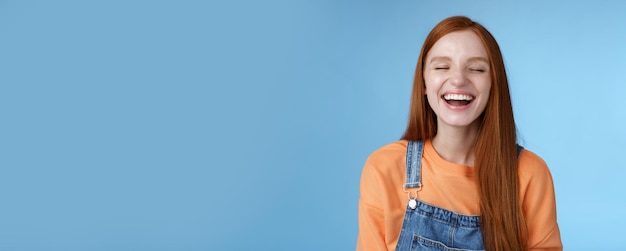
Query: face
(458, 79)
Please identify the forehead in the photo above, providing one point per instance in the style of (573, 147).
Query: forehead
(458, 45)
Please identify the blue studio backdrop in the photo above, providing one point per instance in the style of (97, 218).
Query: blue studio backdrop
(244, 125)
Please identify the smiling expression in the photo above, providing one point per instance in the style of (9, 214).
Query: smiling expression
(457, 78)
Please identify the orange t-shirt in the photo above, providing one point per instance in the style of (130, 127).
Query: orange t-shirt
(450, 186)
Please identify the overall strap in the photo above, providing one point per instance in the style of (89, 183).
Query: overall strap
(414, 150)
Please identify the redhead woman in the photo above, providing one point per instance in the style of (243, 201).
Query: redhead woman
(457, 180)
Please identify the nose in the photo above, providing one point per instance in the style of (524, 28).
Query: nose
(458, 77)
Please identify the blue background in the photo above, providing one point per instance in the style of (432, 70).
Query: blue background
(194, 125)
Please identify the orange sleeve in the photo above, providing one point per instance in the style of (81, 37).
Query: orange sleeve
(371, 220)
(539, 204)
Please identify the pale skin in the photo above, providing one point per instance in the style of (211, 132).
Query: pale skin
(457, 80)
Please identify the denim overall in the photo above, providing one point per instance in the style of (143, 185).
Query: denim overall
(430, 228)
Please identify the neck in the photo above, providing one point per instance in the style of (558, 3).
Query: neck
(456, 144)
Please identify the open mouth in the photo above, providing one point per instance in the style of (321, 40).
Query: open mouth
(458, 99)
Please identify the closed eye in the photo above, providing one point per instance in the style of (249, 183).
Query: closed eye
(477, 70)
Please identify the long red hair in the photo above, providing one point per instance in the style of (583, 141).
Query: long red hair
(502, 221)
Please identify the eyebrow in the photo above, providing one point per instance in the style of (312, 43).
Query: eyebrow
(440, 59)
(447, 59)
(478, 59)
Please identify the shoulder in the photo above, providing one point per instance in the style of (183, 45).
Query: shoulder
(387, 154)
(383, 173)
(386, 163)
(533, 169)
(529, 162)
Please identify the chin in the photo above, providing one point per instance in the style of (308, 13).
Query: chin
(459, 122)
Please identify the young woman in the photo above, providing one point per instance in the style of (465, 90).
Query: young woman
(457, 180)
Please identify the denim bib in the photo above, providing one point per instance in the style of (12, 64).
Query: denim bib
(430, 228)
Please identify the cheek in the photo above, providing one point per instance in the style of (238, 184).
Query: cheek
(482, 85)
(430, 85)
(486, 87)
(432, 96)
(431, 88)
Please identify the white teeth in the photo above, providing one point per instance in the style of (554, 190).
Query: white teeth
(458, 97)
